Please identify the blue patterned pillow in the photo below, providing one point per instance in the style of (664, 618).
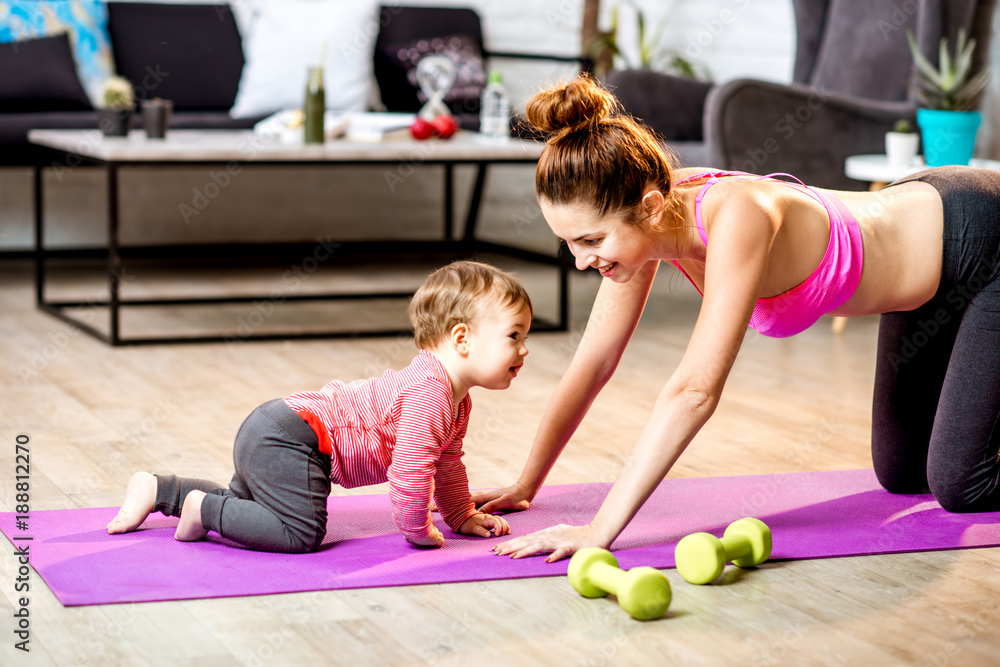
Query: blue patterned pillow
(85, 21)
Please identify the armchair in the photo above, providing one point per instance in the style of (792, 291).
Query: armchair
(851, 82)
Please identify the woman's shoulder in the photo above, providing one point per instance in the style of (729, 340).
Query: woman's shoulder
(693, 174)
(727, 180)
(743, 200)
(734, 193)
(739, 194)
(687, 172)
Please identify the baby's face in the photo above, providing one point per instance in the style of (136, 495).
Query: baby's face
(497, 343)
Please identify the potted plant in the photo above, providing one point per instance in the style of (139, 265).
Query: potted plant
(117, 101)
(650, 54)
(901, 143)
(950, 93)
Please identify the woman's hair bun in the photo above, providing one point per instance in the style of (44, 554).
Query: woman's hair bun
(580, 104)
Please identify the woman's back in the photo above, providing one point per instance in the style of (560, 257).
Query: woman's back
(902, 228)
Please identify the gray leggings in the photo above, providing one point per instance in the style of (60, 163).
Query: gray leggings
(276, 500)
(937, 379)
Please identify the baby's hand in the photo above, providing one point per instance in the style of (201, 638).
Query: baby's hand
(485, 525)
(435, 539)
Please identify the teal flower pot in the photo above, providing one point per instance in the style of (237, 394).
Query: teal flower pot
(948, 137)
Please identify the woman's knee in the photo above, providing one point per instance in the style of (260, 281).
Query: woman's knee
(963, 495)
(896, 478)
(952, 499)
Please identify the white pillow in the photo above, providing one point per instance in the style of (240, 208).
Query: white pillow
(286, 37)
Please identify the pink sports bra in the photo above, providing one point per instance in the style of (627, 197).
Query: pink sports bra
(832, 282)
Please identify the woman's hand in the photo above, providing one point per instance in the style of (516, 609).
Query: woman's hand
(512, 497)
(485, 525)
(561, 540)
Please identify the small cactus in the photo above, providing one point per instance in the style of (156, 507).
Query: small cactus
(903, 126)
(118, 93)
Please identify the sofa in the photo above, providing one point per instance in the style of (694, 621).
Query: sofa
(162, 49)
(193, 55)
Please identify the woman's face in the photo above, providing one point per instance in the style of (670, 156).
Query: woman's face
(608, 243)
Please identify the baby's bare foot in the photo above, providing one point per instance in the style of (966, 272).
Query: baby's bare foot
(140, 496)
(189, 528)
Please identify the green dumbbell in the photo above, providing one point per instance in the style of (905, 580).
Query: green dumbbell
(643, 592)
(701, 557)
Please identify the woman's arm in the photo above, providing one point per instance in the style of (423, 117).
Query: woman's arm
(613, 319)
(737, 261)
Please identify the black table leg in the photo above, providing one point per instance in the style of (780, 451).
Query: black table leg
(477, 196)
(114, 258)
(565, 261)
(39, 235)
(449, 201)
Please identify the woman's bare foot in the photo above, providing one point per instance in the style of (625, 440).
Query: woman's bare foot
(140, 496)
(189, 528)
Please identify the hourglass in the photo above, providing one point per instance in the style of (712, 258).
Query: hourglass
(435, 76)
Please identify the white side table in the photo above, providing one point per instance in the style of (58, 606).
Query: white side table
(876, 169)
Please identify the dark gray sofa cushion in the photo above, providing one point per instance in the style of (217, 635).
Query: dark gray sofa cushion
(671, 106)
(405, 25)
(190, 54)
(23, 89)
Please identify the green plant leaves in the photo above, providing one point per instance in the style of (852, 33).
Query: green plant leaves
(949, 86)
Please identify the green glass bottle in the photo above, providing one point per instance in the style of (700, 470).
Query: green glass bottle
(315, 106)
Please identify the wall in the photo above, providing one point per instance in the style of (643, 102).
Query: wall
(731, 38)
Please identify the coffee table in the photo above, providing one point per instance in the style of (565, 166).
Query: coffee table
(238, 150)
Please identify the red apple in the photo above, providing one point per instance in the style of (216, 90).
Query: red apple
(421, 129)
(445, 125)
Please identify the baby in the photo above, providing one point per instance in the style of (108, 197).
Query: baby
(406, 427)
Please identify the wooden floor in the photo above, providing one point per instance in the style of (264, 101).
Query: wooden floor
(96, 414)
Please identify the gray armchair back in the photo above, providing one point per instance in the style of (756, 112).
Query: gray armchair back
(852, 80)
(855, 52)
(858, 47)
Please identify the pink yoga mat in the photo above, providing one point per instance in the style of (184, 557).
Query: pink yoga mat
(811, 515)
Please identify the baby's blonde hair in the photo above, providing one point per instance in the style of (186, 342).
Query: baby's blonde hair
(453, 295)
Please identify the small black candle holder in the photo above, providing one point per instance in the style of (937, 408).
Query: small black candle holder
(156, 117)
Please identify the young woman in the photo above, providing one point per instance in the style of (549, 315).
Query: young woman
(777, 255)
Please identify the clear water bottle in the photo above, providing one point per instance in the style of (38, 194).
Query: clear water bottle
(494, 109)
